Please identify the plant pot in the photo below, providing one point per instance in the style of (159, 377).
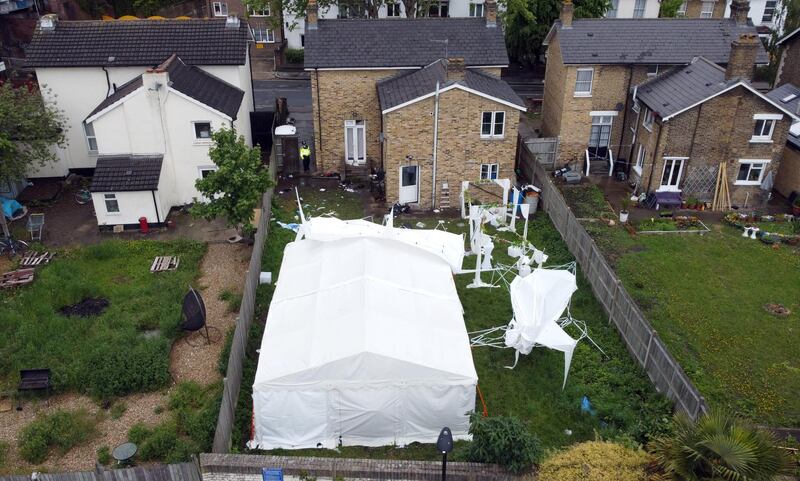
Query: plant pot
(623, 216)
(683, 204)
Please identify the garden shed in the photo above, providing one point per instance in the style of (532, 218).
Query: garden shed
(365, 344)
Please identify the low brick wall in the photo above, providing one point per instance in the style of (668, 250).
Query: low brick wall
(247, 467)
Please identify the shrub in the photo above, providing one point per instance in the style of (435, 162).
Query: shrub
(719, 447)
(118, 369)
(295, 55)
(104, 455)
(502, 440)
(3, 454)
(117, 410)
(595, 460)
(232, 298)
(62, 430)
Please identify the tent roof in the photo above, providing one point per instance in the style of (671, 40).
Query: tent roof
(363, 309)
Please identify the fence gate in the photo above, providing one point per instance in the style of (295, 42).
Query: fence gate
(544, 150)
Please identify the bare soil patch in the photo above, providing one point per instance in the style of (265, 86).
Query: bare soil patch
(91, 306)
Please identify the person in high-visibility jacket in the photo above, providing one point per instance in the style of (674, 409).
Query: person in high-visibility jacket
(305, 154)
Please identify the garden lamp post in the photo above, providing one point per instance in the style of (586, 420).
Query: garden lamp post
(445, 445)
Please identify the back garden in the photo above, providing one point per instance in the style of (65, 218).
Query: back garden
(713, 300)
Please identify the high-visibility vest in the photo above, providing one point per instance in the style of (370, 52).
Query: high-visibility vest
(305, 152)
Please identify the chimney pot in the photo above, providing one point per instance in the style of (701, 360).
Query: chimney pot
(742, 58)
(491, 13)
(455, 68)
(739, 11)
(312, 14)
(48, 22)
(566, 13)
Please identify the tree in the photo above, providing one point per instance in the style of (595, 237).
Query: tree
(502, 440)
(526, 23)
(234, 190)
(718, 448)
(669, 8)
(29, 128)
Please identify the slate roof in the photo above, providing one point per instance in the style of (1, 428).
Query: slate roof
(683, 87)
(784, 91)
(405, 87)
(412, 42)
(190, 81)
(125, 173)
(665, 41)
(116, 43)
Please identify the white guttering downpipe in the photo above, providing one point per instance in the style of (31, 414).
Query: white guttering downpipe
(435, 144)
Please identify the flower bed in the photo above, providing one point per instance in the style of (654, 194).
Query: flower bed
(676, 224)
(768, 229)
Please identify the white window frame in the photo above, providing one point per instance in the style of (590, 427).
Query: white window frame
(111, 197)
(360, 149)
(636, 107)
(676, 187)
(490, 171)
(649, 118)
(703, 12)
(90, 137)
(652, 74)
(202, 140)
(218, 10)
(762, 162)
(493, 125)
(393, 10)
(613, 10)
(474, 7)
(765, 138)
(583, 93)
(268, 37)
(638, 11)
(266, 12)
(206, 168)
(682, 9)
(640, 156)
(771, 17)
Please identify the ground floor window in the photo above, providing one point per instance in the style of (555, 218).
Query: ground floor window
(355, 143)
(640, 156)
(112, 205)
(751, 172)
(489, 171)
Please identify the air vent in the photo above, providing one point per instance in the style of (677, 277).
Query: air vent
(590, 34)
(128, 172)
(789, 98)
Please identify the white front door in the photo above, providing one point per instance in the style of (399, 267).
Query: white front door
(409, 184)
(671, 175)
(355, 143)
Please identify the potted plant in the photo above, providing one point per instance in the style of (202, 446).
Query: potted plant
(623, 213)
(796, 207)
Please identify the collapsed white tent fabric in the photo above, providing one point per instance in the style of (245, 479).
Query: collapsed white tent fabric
(539, 299)
(365, 343)
(446, 245)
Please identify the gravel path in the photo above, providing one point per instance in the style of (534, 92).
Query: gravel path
(222, 268)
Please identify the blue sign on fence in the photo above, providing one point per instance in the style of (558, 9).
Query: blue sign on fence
(272, 474)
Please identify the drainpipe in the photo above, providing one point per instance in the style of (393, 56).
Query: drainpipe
(435, 144)
(155, 204)
(655, 155)
(318, 148)
(624, 118)
(108, 82)
(635, 129)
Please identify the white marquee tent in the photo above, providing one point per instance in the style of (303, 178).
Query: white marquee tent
(365, 344)
(539, 299)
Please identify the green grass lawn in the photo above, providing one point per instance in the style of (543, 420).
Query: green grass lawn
(705, 297)
(107, 354)
(627, 406)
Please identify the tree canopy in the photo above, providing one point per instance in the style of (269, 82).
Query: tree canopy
(234, 190)
(28, 129)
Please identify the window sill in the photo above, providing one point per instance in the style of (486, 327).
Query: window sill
(264, 42)
(756, 140)
(747, 182)
(582, 96)
(94, 153)
(113, 213)
(649, 129)
(492, 137)
(220, 15)
(203, 142)
(637, 169)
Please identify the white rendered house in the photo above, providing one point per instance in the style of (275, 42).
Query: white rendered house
(152, 138)
(81, 63)
(634, 9)
(766, 15)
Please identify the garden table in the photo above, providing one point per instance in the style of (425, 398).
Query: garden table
(124, 453)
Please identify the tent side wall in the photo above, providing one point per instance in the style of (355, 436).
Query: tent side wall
(365, 415)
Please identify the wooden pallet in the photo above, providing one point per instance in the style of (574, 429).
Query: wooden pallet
(16, 278)
(33, 258)
(165, 263)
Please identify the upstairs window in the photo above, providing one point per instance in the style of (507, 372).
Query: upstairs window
(652, 70)
(707, 10)
(263, 35)
(91, 138)
(612, 11)
(489, 171)
(220, 9)
(476, 10)
(260, 13)
(439, 8)
(763, 127)
(202, 131)
(648, 119)
(583, 82)
(493, 124)
(682, 9)
(392, 9)
(638, 8)
(769, 11)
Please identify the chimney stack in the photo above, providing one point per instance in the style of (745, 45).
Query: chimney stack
(566, 13)
(739, 11)
(455, 68)
(491, 13)
(153, 79)
(312, 13)
(743, 57)
(48, 22)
